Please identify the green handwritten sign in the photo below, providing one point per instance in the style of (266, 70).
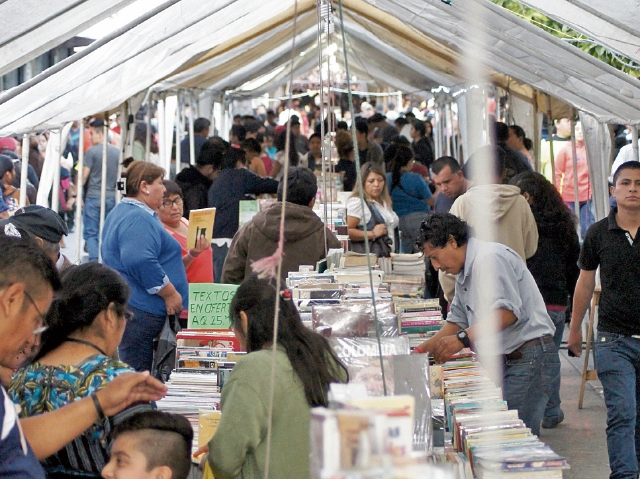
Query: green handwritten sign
(209, 305)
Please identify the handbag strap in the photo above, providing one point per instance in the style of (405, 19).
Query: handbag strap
(375, 214)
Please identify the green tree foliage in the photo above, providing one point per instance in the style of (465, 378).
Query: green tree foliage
(577, 39)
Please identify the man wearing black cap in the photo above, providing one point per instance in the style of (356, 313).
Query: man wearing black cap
(92, 179)
(300, 141)
(45, 226)
(304, 231)
(384, 129)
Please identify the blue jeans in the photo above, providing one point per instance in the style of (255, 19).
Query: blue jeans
(219, 255)
(553, 406)
(618, 367)
(587, 217)
(526, 382)
(136, 347)
(91, 223)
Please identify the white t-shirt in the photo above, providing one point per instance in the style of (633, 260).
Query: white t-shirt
(625, 154)
(354, 208)
(280, 159)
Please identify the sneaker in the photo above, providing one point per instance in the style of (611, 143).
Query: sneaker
(551, 422)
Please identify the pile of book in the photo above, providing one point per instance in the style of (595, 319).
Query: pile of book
(408, 264)
(188, 393)
(418, 318)
(493, 438)
(407, 286)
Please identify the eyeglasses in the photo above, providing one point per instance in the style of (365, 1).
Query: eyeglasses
(169, 203)
(128, 316)
(42, 317)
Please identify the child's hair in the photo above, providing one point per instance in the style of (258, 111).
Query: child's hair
(164, 439)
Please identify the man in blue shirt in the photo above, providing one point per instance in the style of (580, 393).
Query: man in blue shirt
(529, 356)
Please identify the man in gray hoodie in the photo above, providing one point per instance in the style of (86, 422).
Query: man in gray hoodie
(304, 233)
(502, 205)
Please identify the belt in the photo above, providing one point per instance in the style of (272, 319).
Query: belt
(517, 354)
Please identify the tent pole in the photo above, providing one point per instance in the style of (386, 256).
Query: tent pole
(536, 137)
(24, 169)
(79, 189)
(124, 134)
(103, 182)
(576, 198)
(178, 125)
(552, 157)
(192, 140)
(147, 145)
(55, 189)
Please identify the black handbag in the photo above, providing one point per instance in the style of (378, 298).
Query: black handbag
(164, 349)
(382, 246)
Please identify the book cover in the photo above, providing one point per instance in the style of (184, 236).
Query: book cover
(200, 224)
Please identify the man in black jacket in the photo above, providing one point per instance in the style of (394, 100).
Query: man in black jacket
(195, 181)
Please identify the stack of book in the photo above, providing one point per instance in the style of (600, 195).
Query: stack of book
(420, 319)
(188, 393)
(406, 286)
(408, 264)
(493, 438)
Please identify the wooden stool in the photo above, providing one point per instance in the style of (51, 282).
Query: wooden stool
(589, 374)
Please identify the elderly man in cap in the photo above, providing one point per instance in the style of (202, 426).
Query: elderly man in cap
(45, 226)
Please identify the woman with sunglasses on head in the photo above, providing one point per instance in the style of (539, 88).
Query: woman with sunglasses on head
(377, 212)
(198, 261)
(86, 321)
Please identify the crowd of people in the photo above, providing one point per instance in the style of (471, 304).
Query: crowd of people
(65, 325)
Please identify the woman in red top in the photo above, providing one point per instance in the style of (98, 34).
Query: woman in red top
(198, 262)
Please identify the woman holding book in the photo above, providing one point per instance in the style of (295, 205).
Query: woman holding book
(377, 213)
(198, 261)
(305, 365)
(137, 246)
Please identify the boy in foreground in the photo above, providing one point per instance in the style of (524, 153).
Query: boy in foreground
(151, 445)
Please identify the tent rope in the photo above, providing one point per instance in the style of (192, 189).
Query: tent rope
(272, 266)
(362, 204)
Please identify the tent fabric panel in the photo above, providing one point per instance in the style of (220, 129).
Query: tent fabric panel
(615, 28)
(45, 25)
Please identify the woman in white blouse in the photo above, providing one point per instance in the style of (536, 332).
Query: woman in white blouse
(376, 194)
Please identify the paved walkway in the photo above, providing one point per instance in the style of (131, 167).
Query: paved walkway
(581, 438)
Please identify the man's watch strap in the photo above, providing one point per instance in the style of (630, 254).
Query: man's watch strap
(464, 338)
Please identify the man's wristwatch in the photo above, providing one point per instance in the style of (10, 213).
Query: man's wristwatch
(464, 338)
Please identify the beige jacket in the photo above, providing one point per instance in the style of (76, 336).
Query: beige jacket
(503, 205)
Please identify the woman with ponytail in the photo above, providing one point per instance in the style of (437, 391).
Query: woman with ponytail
(305, 366)
(411, 197)
(86, 322)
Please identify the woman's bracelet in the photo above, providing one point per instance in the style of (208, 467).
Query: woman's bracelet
(96, 403)
(419, 349)
(192, 256)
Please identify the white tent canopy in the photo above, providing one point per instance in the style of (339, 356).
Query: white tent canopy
(407, 44)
